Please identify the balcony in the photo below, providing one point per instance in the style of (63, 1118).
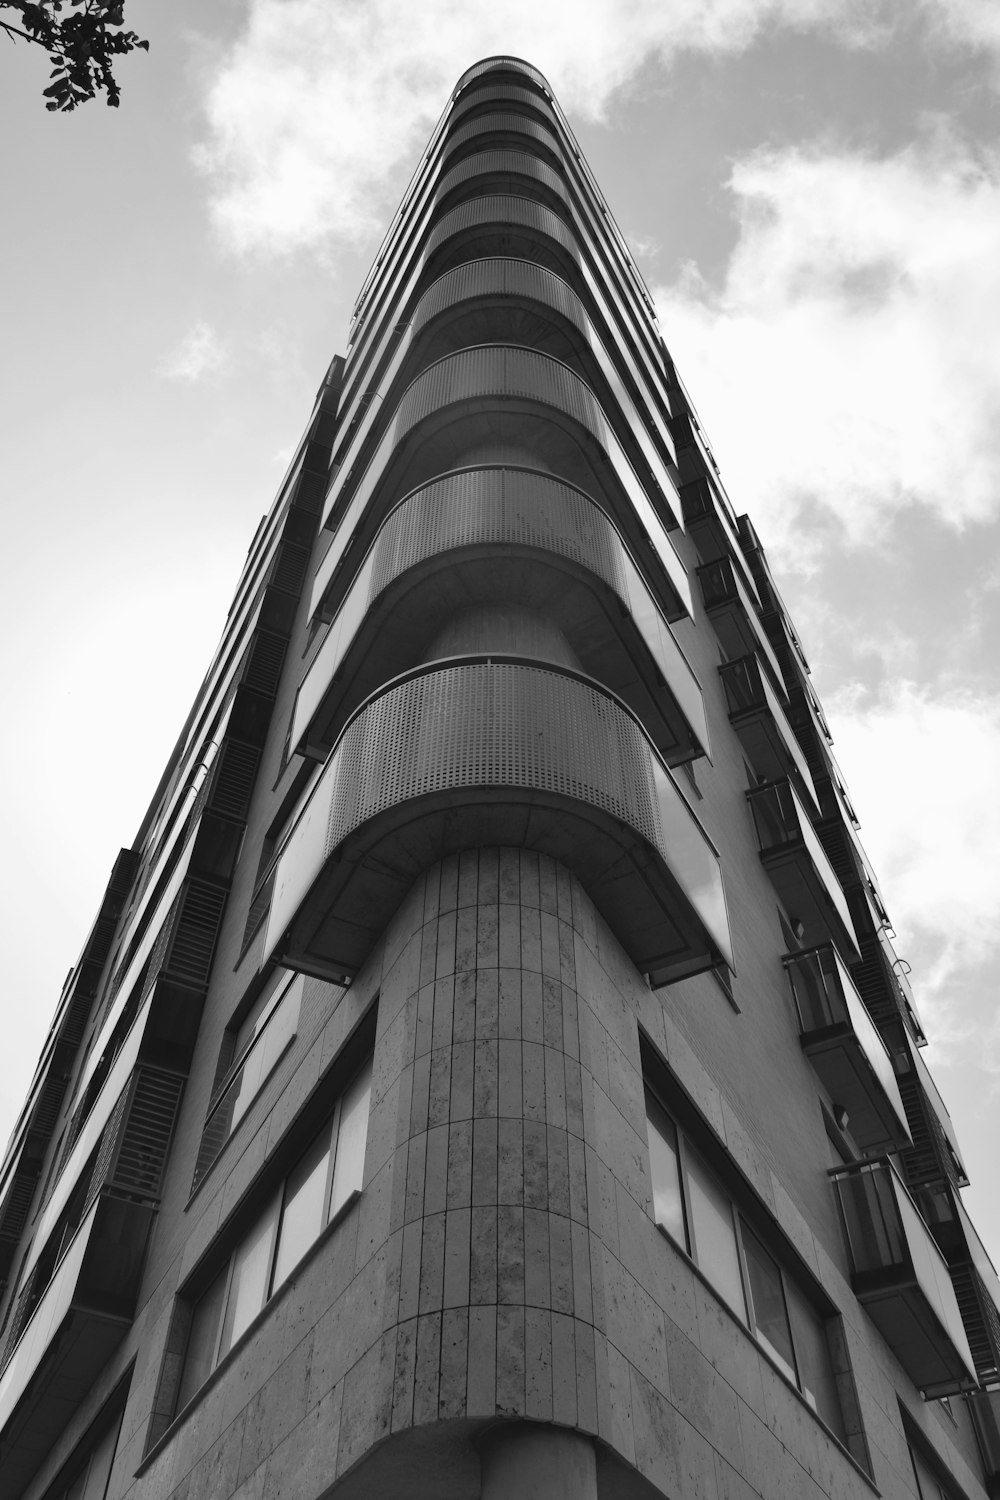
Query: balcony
(509, 536)
(935, 1156)
(882, 977)
(768, 739)
(841, 1041)
(799, 869)
(496, 751)
(77, 1322)
(500, 398)
(977, 1286)
(901, 1277)
(733, 613)
(708, 522)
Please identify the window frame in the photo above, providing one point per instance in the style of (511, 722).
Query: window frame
(270, 1007)
(743, 1223)
(223, 1340)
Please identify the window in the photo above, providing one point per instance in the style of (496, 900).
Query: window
(327, 1175)
(929, 1486)
(255, 1047)
(90, 1482)
(698, 1212)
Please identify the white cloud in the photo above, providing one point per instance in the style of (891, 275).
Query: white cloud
(320, 101)
(200, 353)
(852, 355)
(922, 768)
(973, 23)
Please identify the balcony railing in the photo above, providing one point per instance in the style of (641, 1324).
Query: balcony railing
(499, 532)
(486, 751)
(756, 714)
(844, 1047)
(901, 1277)
(734, 615)
(800, 872)
(708, 521)
(80, 1318)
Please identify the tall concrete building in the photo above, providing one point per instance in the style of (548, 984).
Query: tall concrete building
(489, 1072)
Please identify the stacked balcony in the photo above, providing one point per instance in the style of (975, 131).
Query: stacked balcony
(492, 659)
(901, 1277)
(757, 715)
(799, 870)
(734, 614)
(842, 1043)
(79, 1288)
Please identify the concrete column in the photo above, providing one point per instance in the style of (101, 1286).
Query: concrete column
(529, 1461)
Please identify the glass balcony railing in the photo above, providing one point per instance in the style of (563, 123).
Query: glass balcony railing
(734, 614)
(901, 1277)
(845, 1048)
(799, 869)
(900, 971)
(756, 714)
(708, 522)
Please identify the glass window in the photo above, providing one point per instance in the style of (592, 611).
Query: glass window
(713, 1232)
(91, 1482)
(665, 1167)
(259, 1044)
(768, 1313)
(694, 1207)
(817, 1381)
(349, 1171)
(203, 1339)
(302, 1214)
(248, 1287)
(324, 1179)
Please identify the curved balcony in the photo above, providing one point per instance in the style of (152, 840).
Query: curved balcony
(501, 122)
(499, 398)
(508, 224)
(509, 536)
(842, 1043)
(500, 63)
(499, 171)
(523, 294)
(496, 92)
(503, 300)
(486, 751)
(900, 1275)
(800, 872)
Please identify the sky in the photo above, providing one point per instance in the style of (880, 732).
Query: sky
(811, 189)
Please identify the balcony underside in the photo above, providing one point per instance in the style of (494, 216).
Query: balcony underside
(804, 894)
(79, 1351)
(906, 1321)
(80, 1319)
(768, 751)
(841, 1063)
